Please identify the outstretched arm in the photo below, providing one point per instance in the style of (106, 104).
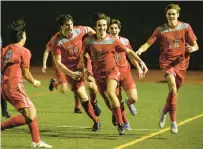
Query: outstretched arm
(143, 48)
(90, 31)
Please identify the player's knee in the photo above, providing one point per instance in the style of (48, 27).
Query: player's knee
(110, 94)
(28, 119)
(174, 91)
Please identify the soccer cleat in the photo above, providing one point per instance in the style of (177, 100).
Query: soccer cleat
(51, 87)
(97, 109)
(127, 126)
(174, 128)
(96, 127)
(131, 107)
(121, 129)
(162, 119)
(77, 110)
(40, 144)
(5, 114)
(114, 120)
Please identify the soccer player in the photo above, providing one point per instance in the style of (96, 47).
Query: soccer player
(66, 50)
(126, 79)
(100, 47)
(61, 78)
(177, 41)
(15, 59)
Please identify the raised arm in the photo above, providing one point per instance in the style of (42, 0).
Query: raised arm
(90, 31)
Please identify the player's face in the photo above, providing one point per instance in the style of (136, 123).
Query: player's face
(67, 28)
(101, 27)
(172, 15)
(114, 29)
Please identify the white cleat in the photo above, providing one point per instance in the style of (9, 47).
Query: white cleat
(40, 144)
(174, 128)
(127, 126)
(162, 119)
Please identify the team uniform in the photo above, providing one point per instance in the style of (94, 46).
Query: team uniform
(70, 49)
(173, 57)
(126, 79)
(102, 54)
(14, 58)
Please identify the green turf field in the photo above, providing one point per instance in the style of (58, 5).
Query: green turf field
(63, 129)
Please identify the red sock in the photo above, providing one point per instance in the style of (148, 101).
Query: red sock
(93, 96)
(77, 102)
(34, 130)
(15, 121)
(167, 105)
(124, 116)
(90, 111)
(117, 113)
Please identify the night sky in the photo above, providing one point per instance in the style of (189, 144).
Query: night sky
(138, 19)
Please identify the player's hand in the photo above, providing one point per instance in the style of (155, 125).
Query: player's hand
(44, 68)
(144, 68)
(76, 75)
(37, 83)
(139, 52)
(140, 73)
(190, 48)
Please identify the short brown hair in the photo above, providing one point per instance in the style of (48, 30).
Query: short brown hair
(173, 6)
(116, 21)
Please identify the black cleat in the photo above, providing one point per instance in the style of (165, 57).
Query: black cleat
(97, 109)
(121, 129)
(114, 120)
(96, 127)
(51, 87)
(5, 114)
(77, 110)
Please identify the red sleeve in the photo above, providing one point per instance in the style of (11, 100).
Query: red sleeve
(48, 46)
(26, 56)
(154, 37)
(190, 36)
(84, 29)
(129, 45)
(55, 49)
(120, 47)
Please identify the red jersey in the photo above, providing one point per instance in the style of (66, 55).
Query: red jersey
(120, 57)
(173, 42)
(14, 57)
(102, 53)
(70, 48)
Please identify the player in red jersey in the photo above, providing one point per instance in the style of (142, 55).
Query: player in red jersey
(100, 47)
(61, 78)
(66, 50)
(177, 41)
(15, 62)
(126, 79)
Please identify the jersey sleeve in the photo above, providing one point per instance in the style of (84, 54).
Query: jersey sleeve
(26, 56)
(154, 37)
(190, 36)
(119, 46)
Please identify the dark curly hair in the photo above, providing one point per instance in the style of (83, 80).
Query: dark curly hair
(15, 30)
(100, 16)
(63, 18)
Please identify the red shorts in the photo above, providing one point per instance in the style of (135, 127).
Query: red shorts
(179, 75)
(16, 95)
(127, 81)
(75, 84)
(101, 80)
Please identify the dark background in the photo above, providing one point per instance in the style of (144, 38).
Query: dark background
(139, 20)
